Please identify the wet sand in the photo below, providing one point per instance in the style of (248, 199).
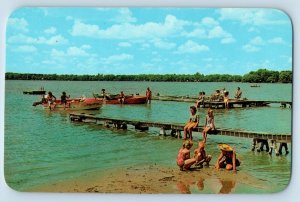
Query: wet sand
(154, 179)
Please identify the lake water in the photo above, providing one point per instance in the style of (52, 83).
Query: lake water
(43, 147)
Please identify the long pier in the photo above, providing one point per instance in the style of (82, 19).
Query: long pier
(220, 104)
(259, 139)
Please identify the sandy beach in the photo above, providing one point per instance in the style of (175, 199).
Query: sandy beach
(154, 179)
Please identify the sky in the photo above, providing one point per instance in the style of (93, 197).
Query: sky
(147, 40)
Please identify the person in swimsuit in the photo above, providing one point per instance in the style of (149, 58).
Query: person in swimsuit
(209, 124)
(227, 159)
(122, 97)
(200, 100)
(183, 159)
(51, 100)
(192, 123)
(200, 155)
(238, 93)
(226, 99)
(63, 99)
(148, 95)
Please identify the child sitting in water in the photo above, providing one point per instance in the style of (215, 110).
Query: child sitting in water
(209, 124)
(200, 155)
(227, 158)
(183, 158)
(193, 123)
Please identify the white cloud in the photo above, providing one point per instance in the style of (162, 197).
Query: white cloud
(21, 38)
(255, 17)
(198, 32)
(170, 26)
(277, 40)
(192, 47)
(124, 44)
(50, 30)
(208, 21)
(69, 18)
(158, 43)
(19, 24)
(124, 16)
(250, 48)
(117, 58)
(257, 41)
(228, 40)
(71, 51)
(25, 49)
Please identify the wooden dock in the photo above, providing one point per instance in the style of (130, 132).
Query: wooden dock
(259, 139)
(233, 103)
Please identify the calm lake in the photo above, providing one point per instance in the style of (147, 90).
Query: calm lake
(44, 147)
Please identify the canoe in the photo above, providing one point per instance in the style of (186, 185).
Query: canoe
(35, 92)
(132, 99)
(75, 104)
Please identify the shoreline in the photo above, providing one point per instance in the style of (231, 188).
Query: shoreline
(154, 179)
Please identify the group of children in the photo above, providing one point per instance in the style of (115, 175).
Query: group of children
(227, 158)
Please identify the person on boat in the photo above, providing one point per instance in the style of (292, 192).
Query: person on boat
(122, 97)
(192, 123)
(183, 159)
(238, 93)
(63, 99)
(104, 94)
(148, 95)
(200, 100)
(226, 99)
(51, 100)
(209, 124)
(200, 155)
(227, 158)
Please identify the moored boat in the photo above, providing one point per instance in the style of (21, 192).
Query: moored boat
(74, 104)
(35, 92)
(132, 99)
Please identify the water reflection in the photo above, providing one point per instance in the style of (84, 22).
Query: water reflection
(227, 186)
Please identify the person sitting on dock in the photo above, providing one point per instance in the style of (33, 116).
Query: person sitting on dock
(63, 99)
(51, 100)
(209, 124)
(148, 95)
(192, 123)
(200, 155)
(227, 159)
(122, 97)
(183, 159)
(238, 93)
(226, 99)
(216, 96)
(200, 100)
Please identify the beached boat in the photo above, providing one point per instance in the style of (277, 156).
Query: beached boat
(35, 92)
(75, 104)
(132, 99)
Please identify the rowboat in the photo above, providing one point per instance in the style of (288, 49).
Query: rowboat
(131, 99)
(74, 104)
(35, 92)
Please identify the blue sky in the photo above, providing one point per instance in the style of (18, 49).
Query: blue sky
(147, 40)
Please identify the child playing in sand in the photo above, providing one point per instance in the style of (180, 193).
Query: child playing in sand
(200, 155)
(209, 124)
(192, 123)
(183, 158)
(227, 158)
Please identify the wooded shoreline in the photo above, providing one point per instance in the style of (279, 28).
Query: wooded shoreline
(259, 76)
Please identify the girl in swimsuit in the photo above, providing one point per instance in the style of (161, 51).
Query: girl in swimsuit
(193, 123)
(183, 158)
(227, 159)
(209, 124)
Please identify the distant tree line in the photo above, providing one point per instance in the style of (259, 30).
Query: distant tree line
(259, 76)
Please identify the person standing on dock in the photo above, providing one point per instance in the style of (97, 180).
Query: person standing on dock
(148, 95)
(238, 93)
(192, 123)
(209, 124)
